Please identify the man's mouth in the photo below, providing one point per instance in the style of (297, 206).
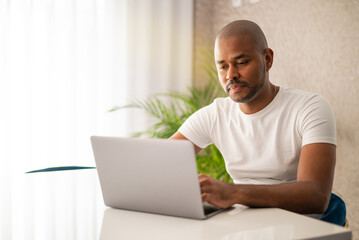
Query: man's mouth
(235, 87)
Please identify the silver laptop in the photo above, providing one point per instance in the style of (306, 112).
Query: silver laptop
(150, 175)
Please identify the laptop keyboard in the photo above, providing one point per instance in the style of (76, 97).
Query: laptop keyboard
(208, 208)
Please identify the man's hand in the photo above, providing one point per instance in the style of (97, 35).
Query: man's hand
(215, 192)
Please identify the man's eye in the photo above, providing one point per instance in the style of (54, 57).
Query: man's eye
(221, 67)
(243, 62)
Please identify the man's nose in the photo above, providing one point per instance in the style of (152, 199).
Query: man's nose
(232, 73)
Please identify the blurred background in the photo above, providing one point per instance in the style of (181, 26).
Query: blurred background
(64, 64)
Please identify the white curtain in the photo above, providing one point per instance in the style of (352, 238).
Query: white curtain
(63, 65)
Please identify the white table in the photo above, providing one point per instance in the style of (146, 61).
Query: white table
(238, 223)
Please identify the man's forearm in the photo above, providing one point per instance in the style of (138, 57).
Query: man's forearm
(302, 197)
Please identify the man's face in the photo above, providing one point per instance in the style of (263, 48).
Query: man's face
(241, 67)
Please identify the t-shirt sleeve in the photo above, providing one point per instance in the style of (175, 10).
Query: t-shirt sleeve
(197, 127)
(317, 122)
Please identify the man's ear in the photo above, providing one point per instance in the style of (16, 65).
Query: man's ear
(268, 57)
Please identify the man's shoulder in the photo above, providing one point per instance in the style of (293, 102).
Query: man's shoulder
(219, 105)
(296, 94)
(301, 100)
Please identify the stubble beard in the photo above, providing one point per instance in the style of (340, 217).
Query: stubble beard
(253, 91)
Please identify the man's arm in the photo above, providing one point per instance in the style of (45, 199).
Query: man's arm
(310, 194)
(179, 136)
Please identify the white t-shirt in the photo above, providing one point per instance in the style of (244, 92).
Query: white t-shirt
(264, 147)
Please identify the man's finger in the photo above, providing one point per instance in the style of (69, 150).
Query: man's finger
(202, 177)
(204, 197)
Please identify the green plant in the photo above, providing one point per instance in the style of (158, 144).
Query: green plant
(170, 110)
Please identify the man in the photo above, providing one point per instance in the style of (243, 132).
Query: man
(279, 144)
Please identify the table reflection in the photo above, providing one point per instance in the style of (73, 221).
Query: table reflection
(122, 224)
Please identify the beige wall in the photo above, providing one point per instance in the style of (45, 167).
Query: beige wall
(316, 48)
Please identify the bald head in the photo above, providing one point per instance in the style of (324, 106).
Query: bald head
(244, 27)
